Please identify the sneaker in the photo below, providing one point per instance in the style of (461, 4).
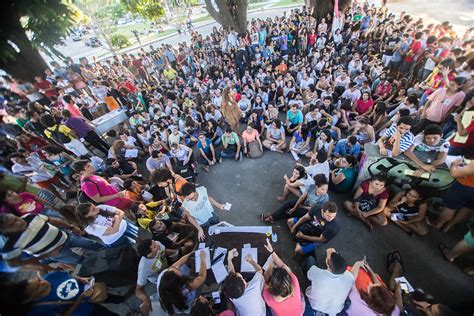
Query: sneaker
(273, 148)
(240, 156)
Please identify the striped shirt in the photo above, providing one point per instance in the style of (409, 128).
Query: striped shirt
(406, 140)
(39, 238)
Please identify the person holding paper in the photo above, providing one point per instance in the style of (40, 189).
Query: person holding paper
(397, 138)
(122, 169)
(177, 289)
(197, 206)
(282, 291)
(246, 297)
(464, 138)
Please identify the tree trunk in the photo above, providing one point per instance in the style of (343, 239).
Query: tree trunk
(27, 63)
(229, 14)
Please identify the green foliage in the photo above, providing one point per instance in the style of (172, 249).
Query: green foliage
(45, 22)
(148, 9)
(119, 41)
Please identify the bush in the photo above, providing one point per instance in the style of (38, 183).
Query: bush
(119, 41)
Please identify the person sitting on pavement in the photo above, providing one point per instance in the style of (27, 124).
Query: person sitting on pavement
(317, 226)
(253, 147)
(407, 210)
(231, 145)
(346, 146)
(369, 201)
(207, 152)
(275, 137)
(344, 175)
(297, 184)
(397, 139)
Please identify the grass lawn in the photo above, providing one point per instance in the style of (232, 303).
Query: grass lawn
(283, 3)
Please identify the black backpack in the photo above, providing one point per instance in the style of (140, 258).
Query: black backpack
(58, 136)
(82, 198)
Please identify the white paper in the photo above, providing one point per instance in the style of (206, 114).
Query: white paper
(217, 227)
(246, 245)
(202, 245)
(450, 159)
(403, 279)
(131, 153)
(267, 263)
(245, 266)
(227, 206)
(216, 296)
(218, 251)
(198, 258)
(243, 229)
(219, 270)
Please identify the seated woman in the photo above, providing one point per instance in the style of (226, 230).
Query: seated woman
(297, 184)
(231, 144)
(364, 105)
(324, 144)
(213, 131)
(252, 145)
(186, 234)
(299, 144)
(369, 202)
(98, 189)
(207, 153)
(143, 135)
(275, 137)
(157, 144)
(343, 177)
(183, 155)
(26, 203)
(316, 193)
(282, 291)
(107, 223)
(407, 210)
(364, 131)
(370, 296)
(257, 122)
(177, 289)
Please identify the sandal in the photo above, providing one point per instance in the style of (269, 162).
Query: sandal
(396, 256)
(442, 247)
(265, 218)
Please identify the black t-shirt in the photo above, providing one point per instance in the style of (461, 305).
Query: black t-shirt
(318, 226)
(123, 169)
(390, 45)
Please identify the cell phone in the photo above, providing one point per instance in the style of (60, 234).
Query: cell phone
(89, 285)
(404, 287)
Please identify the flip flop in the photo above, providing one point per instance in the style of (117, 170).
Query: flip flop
(442, 246)
(398, 257)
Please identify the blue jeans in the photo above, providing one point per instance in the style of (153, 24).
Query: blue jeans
(67, 256)
(129, 236)
(228, 154)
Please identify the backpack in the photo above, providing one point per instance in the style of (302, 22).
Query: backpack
(82, 198)
(58, 136)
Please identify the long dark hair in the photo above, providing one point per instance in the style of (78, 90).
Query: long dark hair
(171, 291)
(380, 300)
(81, 214)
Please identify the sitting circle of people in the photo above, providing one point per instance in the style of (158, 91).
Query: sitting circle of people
(84, 209)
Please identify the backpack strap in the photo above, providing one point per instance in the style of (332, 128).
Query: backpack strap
(94, 182)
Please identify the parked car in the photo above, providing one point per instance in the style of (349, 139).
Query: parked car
(76, 37)
(92, 42)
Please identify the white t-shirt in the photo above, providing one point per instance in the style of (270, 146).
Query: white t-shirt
(251, 302)
(101, 224)
(328, 292)
(149, 269)
(319, 168)
(201, 209)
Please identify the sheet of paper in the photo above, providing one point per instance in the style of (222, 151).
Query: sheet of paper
(202, 245)
(404, 280)
(244, 229)
(227, 206)
(246, 246)
(216, 296)
(220, 271)
(198, 258)
(449, 160)
(267, 263)
(245, 266)
(131, 153)
(218, 251)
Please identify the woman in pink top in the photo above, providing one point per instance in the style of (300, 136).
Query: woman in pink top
(98, 189)
(252, 144)
(282, 291)
(364, 105)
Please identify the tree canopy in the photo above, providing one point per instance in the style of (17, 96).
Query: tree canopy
(27, 25)
(229, 13)
(148, 9)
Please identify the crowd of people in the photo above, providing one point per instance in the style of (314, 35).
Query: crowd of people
(321, 90)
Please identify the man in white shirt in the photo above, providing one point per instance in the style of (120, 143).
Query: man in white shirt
(197, 206)
(329, 288)
(244, 104)
(152, 262)
(352, 93)
(318, 165)
(246, 297)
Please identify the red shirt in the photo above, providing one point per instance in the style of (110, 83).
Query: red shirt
(415, 48)
(364, 106)
(312, 39)
(34, 145)
(27, 205)
(45, 85)
(470, 138)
